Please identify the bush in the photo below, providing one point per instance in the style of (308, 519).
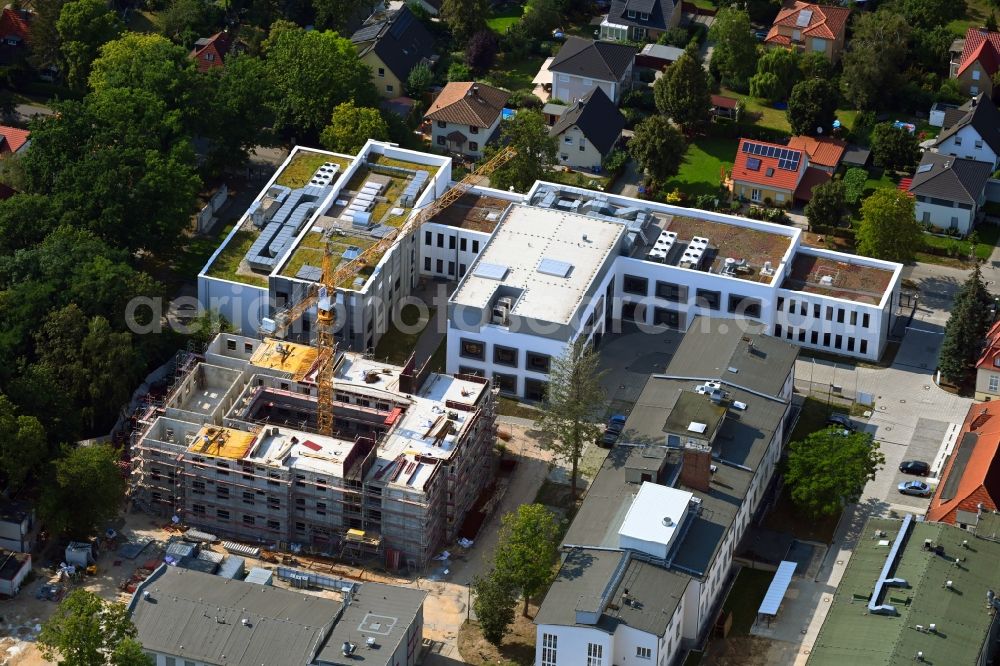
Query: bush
(705, 201)
(525, 99)
(854, 184)
(639, 99)
(615, 161)
(633, 117)
(459, 71)
(675, 37)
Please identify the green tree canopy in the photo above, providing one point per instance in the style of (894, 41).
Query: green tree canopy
(336, 14)
(888, 228)
(658, 147)
(23, 446)
(778, 70)
(312, 72)
(239, 112)
(829, 468)
(419, 80)
(876, 59)
(827, 206)
(350, 127)
(894, 148)
(528, 134)
(931, 13)
(527, 549)
(966, 328)
(464, 18)
(83, 27)
(814, 65)
(85, 491)
(86, 630)
(682, 93)
(735, 53)
(573, 402)
(494, 603)
(541, 17)
(184, 21)
(812, 105)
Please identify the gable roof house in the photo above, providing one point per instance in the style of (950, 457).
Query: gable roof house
(972, 131)
(210, 52)
(824, 152)
(978, 62)
(465, 116)
(639, 20)
(950, 191)
(811, 28)
(392, 43)
(582, 64)
(771, 172)
(15, 29)
(970, 480)
(988, 366)
(13, 140)
(588, 130)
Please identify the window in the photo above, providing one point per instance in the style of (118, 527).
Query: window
(300, 527)
(222, 493)
(595, 654)
(568, 139)
(588, 82)
(440, 265)
(826, 339)
(198, 509)
(816, 310)
(979, 144)
(550, 642)
(975, 74)
(473, 145)
(475, 247)
(665, 317)
(505, 356)
(744, 305)
(564, 156)
(755, 195)
(273, 525)
(583, 146)
(802, 335)
(441, 141)
(777, 330)
(473, 349)
(381, 72)
(644, 653)
(248, 497)
(671, 292)
(427, 263)
(222, 514)
(994, 383)
(643, 16)
(538, 362)
(231, 345)
(791, 306)
(451, 242)
(462, 244)
(864, 347)
(473, 129)
(440, 242)
(814, 337)
(506, 383)
(388, 88)
(534, 389)
(442, 124)
(829, 313)
(838, 341)
(840, 315)
(461, 270)
(850, 344)
(451, 268)
(631, 13)
(249, 520)
(170, 661)
(635, 285)
(781, 304)
(710, 300)
(428, 238)
(974, 90)
(778, 196)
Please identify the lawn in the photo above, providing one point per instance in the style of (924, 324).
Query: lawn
(515, 75)
(745, 597)
(976, 13)
(760, 113)
(988, 236)
(504, 17)
(702, 168)
(301, 169)
(511, 407)
(578, 179)
(395, 346)
(228, 261)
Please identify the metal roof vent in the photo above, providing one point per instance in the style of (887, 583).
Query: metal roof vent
(668, 521)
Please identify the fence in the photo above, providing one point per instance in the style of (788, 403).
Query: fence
(827, 381)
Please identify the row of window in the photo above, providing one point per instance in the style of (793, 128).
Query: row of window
(443, 141)
(534, 389)
(704, 298)
(838, 340)
(472, 128)
(508, 356)
(440, 267)
(462, 242)
(802, 307)
(595, 652)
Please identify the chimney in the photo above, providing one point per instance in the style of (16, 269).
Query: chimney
(974, 101)
(475, 91)
(696, 467)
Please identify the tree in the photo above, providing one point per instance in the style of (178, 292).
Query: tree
(991, 22)
(777, 72)
(85, 491)
(894, 148)
(878, 54)
(22, 445)
(814, 65)
(459, 71)
(829, 468)
(540, 17)
(888, 228)
(658, 148)
(336, 14)
(44, 34)
(350, 127)
(854, 184)
(735, 53)
(572, 405)
(527, 134)
(86, 630)
(827, 206)
(812, 105)
(84, 26)
(184, 21)
(494, 605)
(528, 546)
(931, 13)
(239, 111)
(419, 80)
(967, 326)
(464, 18)
(682, 93)
(481, 51)
(312, 72)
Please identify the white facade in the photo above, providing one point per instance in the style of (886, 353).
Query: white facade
(968, 144)
(948, 214)
(576, 151)
(570, 87)
(476, 137)
(446, 251)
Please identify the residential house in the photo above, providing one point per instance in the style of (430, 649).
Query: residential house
(15, 28)
(391, 43)
(583, 64)
(978, 61)
(210, 52)
(640, 20)
(825, 153)
(950, 191)
(988, 366)
(649, 552)
(972, 131)
(465, 116)
(970, 480)
(13, 140)
(588, 130)
(772, 174)
(183, 616)
(810, 28)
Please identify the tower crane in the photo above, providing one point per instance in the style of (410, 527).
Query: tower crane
(324, 294)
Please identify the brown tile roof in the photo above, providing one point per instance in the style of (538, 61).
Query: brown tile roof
(824, 22)
(812, 178)
(468, 103)
(209, 52)
(822, 151)
(971, 475)
(16, 23)
(724, 102)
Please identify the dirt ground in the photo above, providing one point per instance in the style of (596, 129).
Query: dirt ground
(445, 609)
(518, 646)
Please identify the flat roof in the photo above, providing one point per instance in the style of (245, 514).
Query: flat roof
(734, 241)
(695, 415)
(647, 518)
(473, 211)
(961, 615)
(301, 450)
(377, 611)
(527, 236)
(222, 442)
(840, 279)
(289, 357)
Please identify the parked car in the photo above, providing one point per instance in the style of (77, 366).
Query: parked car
(917, 467)
(841, 421)
(611, 432)
(915, 488)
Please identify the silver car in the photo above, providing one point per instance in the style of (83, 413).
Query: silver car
(915, 488)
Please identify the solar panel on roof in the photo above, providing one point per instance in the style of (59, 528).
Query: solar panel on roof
(805, 16)
(351, 253)
(746, 147)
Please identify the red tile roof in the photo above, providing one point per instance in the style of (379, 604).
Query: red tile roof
(981, 45)
(975, 464)
(210, 52)
(810, 179)
(822, 151)
(468, 103)
(991, 351)
(724, 102)
(768, 174)
(826, 22)
(14, 23)
(12, 138)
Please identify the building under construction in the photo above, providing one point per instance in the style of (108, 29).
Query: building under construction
(233, 449)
